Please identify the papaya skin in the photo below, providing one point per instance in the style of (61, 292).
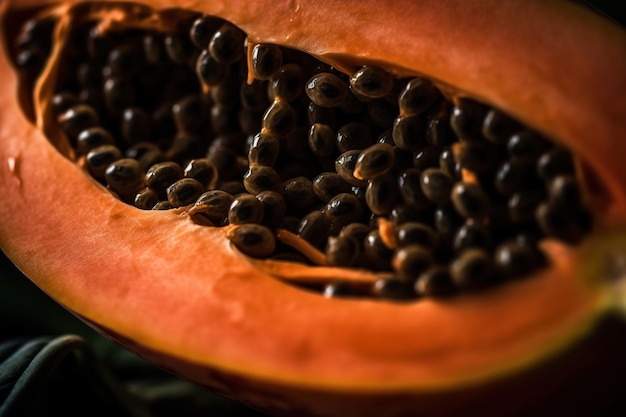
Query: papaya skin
(199, 308)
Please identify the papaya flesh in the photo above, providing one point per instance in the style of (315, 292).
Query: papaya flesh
(182, 296)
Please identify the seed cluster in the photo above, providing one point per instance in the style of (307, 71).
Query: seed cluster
(372, 171)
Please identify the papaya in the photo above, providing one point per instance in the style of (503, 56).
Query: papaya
(207, 302)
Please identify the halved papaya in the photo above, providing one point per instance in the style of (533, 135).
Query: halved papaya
(182, 296)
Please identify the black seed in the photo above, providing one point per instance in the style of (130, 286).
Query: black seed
(319, 114)
(226, 45)
(190, 113)
(279, 118)
(410, 261)
(417, 96)
(378, 255)
(527, 145)
(223, 120)
(498, 127)
(124, 176)
(427, 157)
(89, 75)
(558, 161)
(343, 209)
(78, 118)
(446, 221)
(36, 32)
(250, 121)
(203, 29)
(514, 175)
(146, 199)
(415, 233)
(163, 205)
(93, 137)
(326, 185)
(382, 194)
(522, 205)
(322, 140)
(404, 213)
(568, 223)
(436, 185)
(254, 95)
(161, 175)
(338, 289)
(314, 228)
(357, 231)
(287, 83)
(264, 150)
(353, 136)
(344, 166)
(274, 207)
(124, 60)
(436, 281)
(253, 240)
(326, 90)
(266, 59)
(409, 133)
(472, 269)
(185, 146)
(31, 62)
(372, 82)
(184, 192)
(374, 161)
(209, 70)
(298, 193)
(214, 205)
(472, 234)
(409, 186)
(438, 129)
(136, 125)
(513, 259)
(342, 251)
(100, 157)
(470, 200)
(203, 170)
(245, 208)
(381, 112)
(467, 119)
(63, 101)
(119, 94)
(180, 49)
(449, 163)
(261, 178)
(154, 48)
(479, 157)
(393, 288)
(565, 190)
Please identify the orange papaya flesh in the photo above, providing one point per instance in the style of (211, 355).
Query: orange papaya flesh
(120, 269)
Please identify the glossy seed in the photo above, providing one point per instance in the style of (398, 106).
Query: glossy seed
(326, 185)
(410, 189)
(338, 289)
(124, 176)
(527, 145)
(209, 70)
(298, 193)
(372, 82)
(287, 83)
(63, 101)
(374, 161)
(343, 209)
(514, 175)
(382, 194)
(498, 127)
(314, 228)
(264, 150)
(410, 261)
(513, 259)
(100, 157)
(253, 240)
(344, 166)
(266, 59)
(565, 190)
(203, 29)
(161, 175)
(472, 234)
(569, 224)
(179, 48)
(163, 205)
(322, 140)
(203, 170)
(353, 136)
(409, 133)
(449, 163)
(274, 207)
(522, 205)
(279, 118)
(427, 157)
(261, 178)
(213, 205)
(436, 185)
(446, 221)
(393, 288)
(190, 113)
(416, 233)
(226, 45)
(436, 281)
(479, 157)
(438, 129)
(342, 251)
(78, 118)
(136, 125)
(119, 94)
(472, 269)
(245, 208)
(184, 192)
(470, 200)
(93, 137)
(418, 95)
(555, 162)
(146, 199)
(467, 119)
(378, 255)
(326, 90)
(254, 95)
